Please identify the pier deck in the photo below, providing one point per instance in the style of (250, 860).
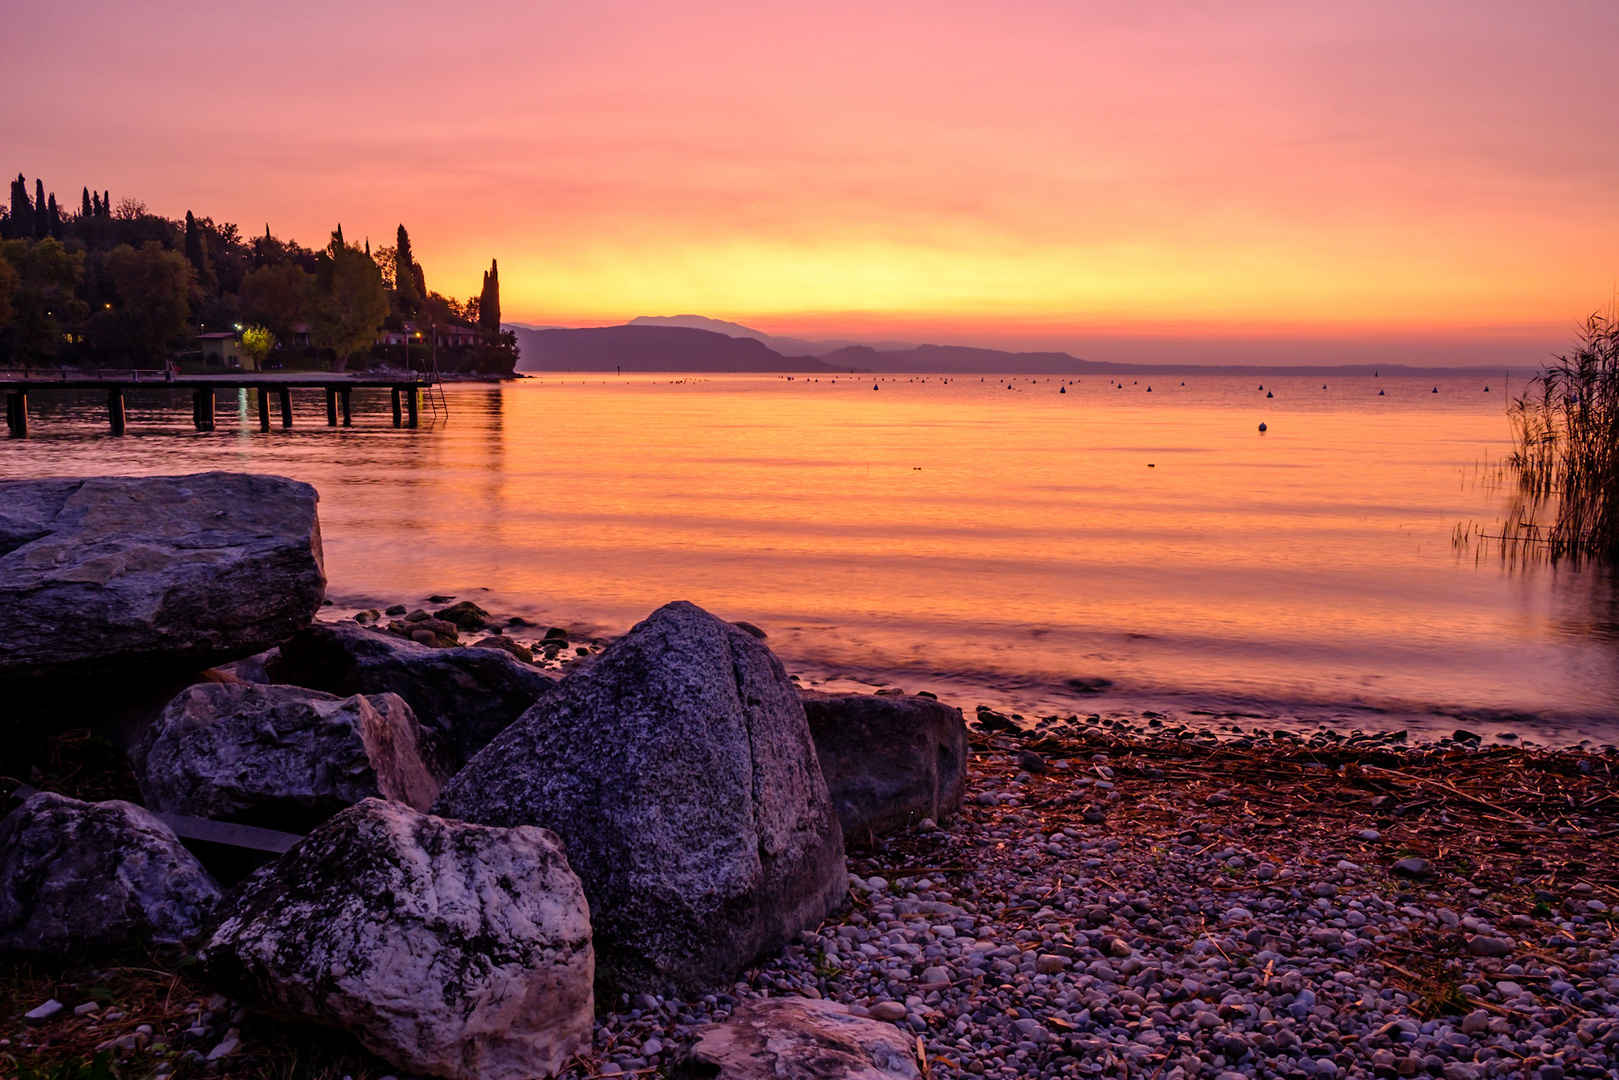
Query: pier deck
(407, 388)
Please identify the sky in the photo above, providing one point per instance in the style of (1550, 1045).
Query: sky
(1289, 181)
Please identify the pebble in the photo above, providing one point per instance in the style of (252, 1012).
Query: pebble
(41, 1014)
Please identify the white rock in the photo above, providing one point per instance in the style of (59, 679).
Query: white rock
(455, 950)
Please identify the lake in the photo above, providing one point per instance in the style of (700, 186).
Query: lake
(1049, 545)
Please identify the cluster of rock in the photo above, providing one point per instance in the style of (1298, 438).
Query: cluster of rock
(486, 843)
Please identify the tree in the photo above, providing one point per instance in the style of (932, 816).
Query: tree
(349, 303)
(489, 301)
(256, 345)
(274, 296)
(197, 252)
(22, 211)
(53, 220)
(106, 204)
(155, 288)
(85, 209)
(42, 221)
(405, 276)
(45, 299)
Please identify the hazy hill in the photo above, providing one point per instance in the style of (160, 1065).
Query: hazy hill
(787, 346)
(650, 348)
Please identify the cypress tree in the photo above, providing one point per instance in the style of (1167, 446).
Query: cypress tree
(85, 208)
(42, 219)
(405, 274)
(95, 204)
(22, 211)
(197, 249)
(106, 204)
(337, 238)
(489, 300)
(53, 221)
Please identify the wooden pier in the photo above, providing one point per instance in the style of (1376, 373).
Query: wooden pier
(408, 390)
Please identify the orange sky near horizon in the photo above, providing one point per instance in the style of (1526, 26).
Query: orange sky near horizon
(1012, 174)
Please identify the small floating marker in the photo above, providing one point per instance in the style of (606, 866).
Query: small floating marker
(1380, 393)
(1269, 394)
(1064, 389)
(1149, 389)
(874, 386)
(1323, 386)
(1262, 386)
(1150, 465)
(1436, 389)
(1486, 389)
(1262, 427)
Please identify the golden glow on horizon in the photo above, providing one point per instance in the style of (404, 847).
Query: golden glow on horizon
(1012, 170)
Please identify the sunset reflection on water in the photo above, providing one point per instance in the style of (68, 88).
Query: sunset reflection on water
(986, 542)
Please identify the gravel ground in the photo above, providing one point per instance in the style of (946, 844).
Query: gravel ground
(1129, 900)
(1106, 918)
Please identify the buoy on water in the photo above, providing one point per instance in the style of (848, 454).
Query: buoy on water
(1149, 389)
(1269, 394)
(1436, 389)
(1262, 427)
(1380, 393)
(1062, 389)
(1486, 389)
(874, 386)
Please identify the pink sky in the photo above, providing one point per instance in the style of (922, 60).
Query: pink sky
(1087, 176)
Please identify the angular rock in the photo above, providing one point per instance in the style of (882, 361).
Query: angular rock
(466, 615)
(677, 767)
(889, 762)
(448, 949)
(771, 1038)
(138, 578)
(79, 879)
(464, 696)
(283, 757)
(505, 644)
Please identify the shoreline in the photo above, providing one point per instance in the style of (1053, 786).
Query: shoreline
(1120, 904)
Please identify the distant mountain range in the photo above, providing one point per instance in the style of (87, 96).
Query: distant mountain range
(697, 343)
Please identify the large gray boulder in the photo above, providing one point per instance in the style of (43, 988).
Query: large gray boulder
(81, 879)
(772, 1038)
(677, 767)
(282, 757)
(121, 578)
(448, 949)
(889, 761)
(464, 696)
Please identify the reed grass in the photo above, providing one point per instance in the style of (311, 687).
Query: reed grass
(1566, 429)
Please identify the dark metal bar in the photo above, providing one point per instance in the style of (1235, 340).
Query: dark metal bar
(115, 410)
(213, 832)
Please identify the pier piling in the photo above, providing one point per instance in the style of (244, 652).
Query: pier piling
(264, 410)
(286, 407)
(331, 407)
(413, 402)
(202, 409)
(348, 413)
(17, 413)
(398, 417)
(115, 410)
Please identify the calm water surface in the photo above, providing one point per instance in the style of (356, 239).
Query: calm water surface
(990, 541)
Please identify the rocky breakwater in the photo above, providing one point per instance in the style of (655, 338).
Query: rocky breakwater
(890, 761)
(282, 757)
(80, 880)
(677, 767)
(130, 581)
(464, 696)
(449, 949)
